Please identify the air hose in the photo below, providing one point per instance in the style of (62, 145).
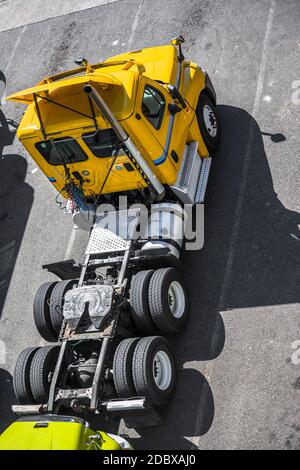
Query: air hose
(76, 196)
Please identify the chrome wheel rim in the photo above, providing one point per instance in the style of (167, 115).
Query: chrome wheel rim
(210, 120)
(162, 370)
(176, 299)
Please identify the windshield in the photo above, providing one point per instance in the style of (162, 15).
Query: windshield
(102, 143)
(61, 151)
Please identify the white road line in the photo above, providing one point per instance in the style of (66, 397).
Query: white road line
(204, 394)
(12, 56)
(15, 48)
(134, 24)
(2, 352)
(70, 243)
(263, 63)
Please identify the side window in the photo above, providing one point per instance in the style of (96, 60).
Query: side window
(59, 151)
(153, 106)
(102, 143)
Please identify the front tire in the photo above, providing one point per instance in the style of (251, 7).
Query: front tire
(208, 122)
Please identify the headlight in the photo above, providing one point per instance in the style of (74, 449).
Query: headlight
(121, 441)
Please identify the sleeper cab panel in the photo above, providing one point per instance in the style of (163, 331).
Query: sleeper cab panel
(122, 178)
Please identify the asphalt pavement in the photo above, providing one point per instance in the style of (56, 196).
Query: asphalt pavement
(238, 359)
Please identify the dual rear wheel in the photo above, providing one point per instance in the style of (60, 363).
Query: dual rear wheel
(159, 301)
(158, 298)
(48, 308)
(33, 374)
(141, 367)
(144, 367)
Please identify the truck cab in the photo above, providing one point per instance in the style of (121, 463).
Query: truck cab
(70, 139)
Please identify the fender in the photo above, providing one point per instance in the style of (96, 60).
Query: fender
(209, 89)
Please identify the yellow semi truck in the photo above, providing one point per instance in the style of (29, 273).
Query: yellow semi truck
(142, 124)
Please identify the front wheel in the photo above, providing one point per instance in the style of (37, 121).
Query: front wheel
(208, 122)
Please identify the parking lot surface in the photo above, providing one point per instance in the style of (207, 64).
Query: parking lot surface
(238, 359)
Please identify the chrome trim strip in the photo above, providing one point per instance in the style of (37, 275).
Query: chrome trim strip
(54, 418)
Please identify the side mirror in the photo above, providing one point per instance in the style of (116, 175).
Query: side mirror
(177, 42)
(81, 61)
(176, 95)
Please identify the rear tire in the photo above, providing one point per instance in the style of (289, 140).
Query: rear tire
(21, 378)
(42, 366)
(57, 303)
(168, 300)
(41, 312)
(140, 303)
(153, 369)
(208, 122)
(122, 368)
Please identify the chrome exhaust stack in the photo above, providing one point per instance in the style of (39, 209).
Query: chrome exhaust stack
(126, 140)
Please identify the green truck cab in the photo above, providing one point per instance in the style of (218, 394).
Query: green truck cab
(52, 432)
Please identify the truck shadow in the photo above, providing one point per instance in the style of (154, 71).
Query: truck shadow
(16, 198)
(264, 272)
(185, 419)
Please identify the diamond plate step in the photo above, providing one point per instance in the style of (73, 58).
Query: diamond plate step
(188, 174)
(113, 231)
(188, 165)
(202, 184)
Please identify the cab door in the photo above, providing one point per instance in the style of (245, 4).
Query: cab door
(162, 134)
(150, 127)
